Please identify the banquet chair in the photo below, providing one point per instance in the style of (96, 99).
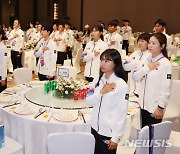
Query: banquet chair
(22, 75)
(160, 133)
(71, 143)
(173, 108)
(67, 72)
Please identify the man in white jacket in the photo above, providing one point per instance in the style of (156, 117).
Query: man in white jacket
(46, 51)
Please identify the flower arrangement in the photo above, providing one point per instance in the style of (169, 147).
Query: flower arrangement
(29, 46)
(66, 87)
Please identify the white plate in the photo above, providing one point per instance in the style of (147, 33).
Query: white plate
(66, 116)
(7, 99)
(24, 110)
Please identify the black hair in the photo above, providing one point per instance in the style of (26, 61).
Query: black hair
(100, 29)
(114, 23)
(48, 27)
(86, 31)
(160, 22)
(3, 34)
(67, 23)
(126, 20)
(114, 55)
(163, 41)
(144, 36)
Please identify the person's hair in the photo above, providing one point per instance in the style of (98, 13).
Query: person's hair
(48, 27)
(162, 40)
(144, 36)
(100, 29)
(125, 20)
(113, 55)
(114, 23)
(86, 31)
(3, 34)
(67, 23)
(160, 22)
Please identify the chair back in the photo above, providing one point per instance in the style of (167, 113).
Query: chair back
(173, 108)
(22, 75)
(71, 143)
(159, 134)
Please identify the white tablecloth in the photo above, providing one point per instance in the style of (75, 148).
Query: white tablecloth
(32, 133)
(29, 60)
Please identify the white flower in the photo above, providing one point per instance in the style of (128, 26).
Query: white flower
(66, 92)
(72, 86)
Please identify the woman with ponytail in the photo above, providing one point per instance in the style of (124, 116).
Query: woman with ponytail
(92, 53)
(155, 78)
(110, 101)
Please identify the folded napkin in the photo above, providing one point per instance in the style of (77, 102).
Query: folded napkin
(24, 109)
(7, 99)
(67, 115)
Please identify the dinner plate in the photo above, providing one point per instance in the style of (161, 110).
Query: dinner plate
(7, 99)
(24, 110)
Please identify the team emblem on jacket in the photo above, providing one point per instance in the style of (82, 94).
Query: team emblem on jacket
(126, 96)
(168, 76)
(5, 54)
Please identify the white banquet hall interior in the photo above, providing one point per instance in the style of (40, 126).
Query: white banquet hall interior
(89, 77)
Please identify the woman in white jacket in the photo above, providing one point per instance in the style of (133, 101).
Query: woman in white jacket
(155, 77)
(109, 100)
(92, 53)
(135, 60)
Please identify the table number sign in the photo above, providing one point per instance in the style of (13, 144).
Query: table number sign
(63, 72)
(1, 136)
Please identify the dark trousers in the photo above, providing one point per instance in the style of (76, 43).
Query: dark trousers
(147, 118)
(100, 146)
(89, 79)
(69, 54)
(2, 88)
(16, 59)
(43, 77)
(61, 56)
(125, 46)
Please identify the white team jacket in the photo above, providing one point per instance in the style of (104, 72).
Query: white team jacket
(114, 37)
(109, 113)
(133, 62)
(50, 57)
(3, 61)
(93, 62)
(155, 84)
(18, 42)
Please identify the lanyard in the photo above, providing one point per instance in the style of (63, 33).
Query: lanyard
(159, 59)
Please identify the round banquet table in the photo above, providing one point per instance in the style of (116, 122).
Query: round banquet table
(32, 132)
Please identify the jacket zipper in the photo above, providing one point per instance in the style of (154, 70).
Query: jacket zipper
(91, 61)
(99, 114)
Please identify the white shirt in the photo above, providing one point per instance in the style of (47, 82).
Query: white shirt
(49, 56)
(126, 32)
(3, 60)
(52, 35)
(133, 62)
(18, 42)
(155, 84)
(93, 62)
(169, 44)
(37, 37)
(70, 37)
(114, 37)
(109, 113)
(31, 34)
(61, 45)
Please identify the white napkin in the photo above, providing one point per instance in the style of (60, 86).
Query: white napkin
(7, 99)
(67, 114)
(24, 109)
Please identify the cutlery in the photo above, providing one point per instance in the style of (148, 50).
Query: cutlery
(81, 114)
(50, 118)
(11, 105)
(7, 93)
(41, 111)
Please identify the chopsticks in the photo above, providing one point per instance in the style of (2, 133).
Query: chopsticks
(39, 113)
(81, 114)
(10, 105)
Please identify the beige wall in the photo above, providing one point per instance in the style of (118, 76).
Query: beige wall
(141, 13)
